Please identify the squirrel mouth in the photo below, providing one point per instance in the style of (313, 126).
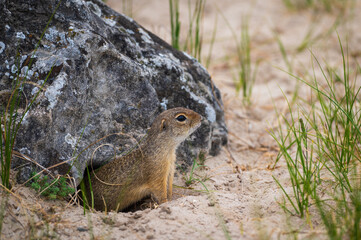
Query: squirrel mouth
(195, 127)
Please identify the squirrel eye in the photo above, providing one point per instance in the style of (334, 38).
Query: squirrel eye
(181, 118)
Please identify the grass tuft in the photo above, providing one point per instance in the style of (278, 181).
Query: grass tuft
(246, 77)
(301, 165)
(246, 74)
(194, 38)
(326, 142)
(191, 178)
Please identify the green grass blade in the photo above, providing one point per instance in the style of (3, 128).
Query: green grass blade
(286, 194)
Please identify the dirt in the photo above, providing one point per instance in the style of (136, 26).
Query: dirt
(243, 199)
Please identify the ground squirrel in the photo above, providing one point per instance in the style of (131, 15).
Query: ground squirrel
(148, 169)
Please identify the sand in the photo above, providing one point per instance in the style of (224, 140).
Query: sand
(243, 198)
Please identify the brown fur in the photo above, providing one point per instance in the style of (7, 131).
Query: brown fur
(148, 169)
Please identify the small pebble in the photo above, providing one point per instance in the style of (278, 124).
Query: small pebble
(144, 221)
(162, 216)
(123, 228)
(166, 209)
(82, 229)
(142, 229)
(137, 215)
(131, 221)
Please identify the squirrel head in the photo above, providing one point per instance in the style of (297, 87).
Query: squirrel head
(175, 125)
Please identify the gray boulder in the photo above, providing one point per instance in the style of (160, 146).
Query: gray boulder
(110, 78)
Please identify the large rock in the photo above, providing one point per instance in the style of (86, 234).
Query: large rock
(109, 76)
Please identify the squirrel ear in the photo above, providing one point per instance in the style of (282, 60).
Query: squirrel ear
(163, 125)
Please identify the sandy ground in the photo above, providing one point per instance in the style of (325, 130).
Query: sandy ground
(242, 202)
